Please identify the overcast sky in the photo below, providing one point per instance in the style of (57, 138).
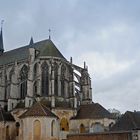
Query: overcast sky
(104, 33)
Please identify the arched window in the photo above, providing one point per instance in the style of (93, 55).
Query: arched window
(82, 128)
(55, 79)
(52, 128)
(17, 128)
(64, 125)
(97, 127)
(7, 133)
(111, 124)
(23, 78)
(63, 70)
(11, 74)
(35, 88)
(45, 79)
(35, 70)
(37, 130)
(6, 86)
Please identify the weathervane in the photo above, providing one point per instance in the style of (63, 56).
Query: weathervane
(49, 34)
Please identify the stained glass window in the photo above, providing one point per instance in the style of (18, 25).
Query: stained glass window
(23, 78)
(55, 79)
(63, 70)
(45, 79)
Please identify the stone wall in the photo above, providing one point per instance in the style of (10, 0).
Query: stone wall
(75, 124)
(102, 136)
(45, 128)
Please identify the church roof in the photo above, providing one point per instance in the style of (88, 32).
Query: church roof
(45, 48)
(128, 121)
(92, 111)
(38, 109)
(5, 116)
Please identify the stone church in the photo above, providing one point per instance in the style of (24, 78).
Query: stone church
(43, 96)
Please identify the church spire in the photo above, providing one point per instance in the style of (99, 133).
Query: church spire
(31, 41)
(49, 34)
(1, 39)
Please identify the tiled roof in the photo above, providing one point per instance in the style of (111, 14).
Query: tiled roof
(5, 116)
(128, 121)
(45, 48)
(59, 104)
(38, 109)
(92, 111)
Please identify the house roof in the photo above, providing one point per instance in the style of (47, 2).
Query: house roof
(38, 109)
(128, 121)
(92, 111)
(5, 116)
(45, 48)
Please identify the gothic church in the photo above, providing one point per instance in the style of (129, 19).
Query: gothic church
(43, 96)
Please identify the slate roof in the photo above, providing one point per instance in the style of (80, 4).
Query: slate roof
(92, 111)
(5, 116)
(38, 109)
(45, 48)
(128, 121)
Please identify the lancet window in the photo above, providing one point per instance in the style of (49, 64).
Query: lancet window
(56, 78)
(45, 79)
(35, 88)
(23, 84)
(35, 70)
(11, 74)
(63, 70)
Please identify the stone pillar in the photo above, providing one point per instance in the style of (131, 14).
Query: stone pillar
(66, 89)
(30, 81)
(59, 81)
(29, 97)
(31, 72)
(40, 79)
(75, 102)
(52, 101)
(50, 84)
(86, 87)
(52, 88)
(72, 89)
(14, 89)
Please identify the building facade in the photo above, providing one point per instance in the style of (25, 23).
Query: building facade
(44, 92)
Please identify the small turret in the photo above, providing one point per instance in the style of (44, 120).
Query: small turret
(31, 41)
(86, 86)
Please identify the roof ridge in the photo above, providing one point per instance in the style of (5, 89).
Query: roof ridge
(25, 46)
(42, 108)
